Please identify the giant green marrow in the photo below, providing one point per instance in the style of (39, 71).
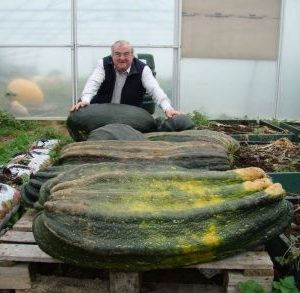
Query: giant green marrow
(116, 131)
(205, 135)
(142, 219)
(80, 123)
(196, 135)
(191, 154)
(30, 191)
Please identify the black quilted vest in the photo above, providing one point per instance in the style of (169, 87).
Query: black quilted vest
(133, 90)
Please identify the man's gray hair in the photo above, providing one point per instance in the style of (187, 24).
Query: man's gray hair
(121, 42)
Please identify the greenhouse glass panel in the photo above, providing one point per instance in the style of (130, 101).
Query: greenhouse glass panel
(36, 82)
(289, 94)
(140, 22)
(35, 22)
(223, 88)
(163, 60)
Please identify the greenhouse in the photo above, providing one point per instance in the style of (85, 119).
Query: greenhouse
(225, 59)
(149, 146)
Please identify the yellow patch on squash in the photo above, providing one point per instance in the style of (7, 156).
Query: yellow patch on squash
(211, 238)
(257, 185)
(189, 185)
(275, 190)
(251, 173)
(213, 200)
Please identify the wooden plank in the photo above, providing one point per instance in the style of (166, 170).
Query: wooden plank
(124, 282)
(25, 223)
(250, 260)
(58, 284)
(15, 277)
(12, 236)
(160, 287)
(258, 272)
(233, 278)
(24, 253)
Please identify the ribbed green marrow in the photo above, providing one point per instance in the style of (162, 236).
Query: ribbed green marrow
(176, 123)
(30, 191)
(116, 131)
(81, 123)
(139, 219)
(196, 135)
(230, 144)
(80, 171)
(192, 154)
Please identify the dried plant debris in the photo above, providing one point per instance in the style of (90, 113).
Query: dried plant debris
(280, 155)
(241, 128)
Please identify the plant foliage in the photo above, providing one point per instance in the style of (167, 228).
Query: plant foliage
(199, 119)
(285, 285)
(250, 286)
(292, 254)
(16, 136)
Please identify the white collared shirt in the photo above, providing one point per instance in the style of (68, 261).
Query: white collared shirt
(148, 80)
(120, 81)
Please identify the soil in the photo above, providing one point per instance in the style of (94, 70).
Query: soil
(244, 127)
(280, 155)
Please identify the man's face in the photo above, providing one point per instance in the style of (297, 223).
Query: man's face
(122, 57)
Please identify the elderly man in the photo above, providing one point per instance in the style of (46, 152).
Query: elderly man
(122, 78)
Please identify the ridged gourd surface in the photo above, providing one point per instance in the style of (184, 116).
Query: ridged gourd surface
(81, 123)
(196, 134)
(190, 154)
(142, 219)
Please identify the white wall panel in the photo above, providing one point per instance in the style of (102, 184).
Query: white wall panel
(228, 88)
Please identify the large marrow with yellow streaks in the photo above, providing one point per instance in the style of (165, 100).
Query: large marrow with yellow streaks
(142, 219)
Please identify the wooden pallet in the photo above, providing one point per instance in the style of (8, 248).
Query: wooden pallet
(18, 249)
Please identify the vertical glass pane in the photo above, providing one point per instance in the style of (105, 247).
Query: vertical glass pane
(140, 22)
(163, 59)
(35, 22)
(290, 66)
(36, 82)
(228, 88)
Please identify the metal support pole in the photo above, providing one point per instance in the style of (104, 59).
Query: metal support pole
(278, 92)
(74, 49)
(177, 54)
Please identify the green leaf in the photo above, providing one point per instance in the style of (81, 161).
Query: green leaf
(250, 286)
(288, 282)
(276, 285)
(285, 285)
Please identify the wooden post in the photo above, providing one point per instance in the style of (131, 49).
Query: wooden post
(124, 282)
(14, 276)
(233, 278)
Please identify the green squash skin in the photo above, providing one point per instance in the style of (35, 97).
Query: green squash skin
(196, 135)
(116, 131)
(81, 123)
(192, 154)
(27, 198)
(78, 224)
(76, 172)
(176, 123)
(137, 254)
(230, 144)
(30, 191)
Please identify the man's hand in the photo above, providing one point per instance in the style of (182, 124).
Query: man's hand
(171, 112)
(79, 105)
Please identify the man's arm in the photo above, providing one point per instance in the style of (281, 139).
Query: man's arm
(158, 95)
(91, 87)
